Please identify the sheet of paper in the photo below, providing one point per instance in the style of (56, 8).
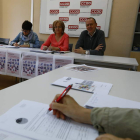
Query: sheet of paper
(13, 63)
(29, 118)
(83, 68)
(60, 61)
(29, 65)
(100, 100)
(84, 85)
(45, 63)
(3, 60)
(9, 136)
(9, 46)
(40, 51)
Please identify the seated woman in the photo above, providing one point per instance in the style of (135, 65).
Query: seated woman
(59, 41)
(26, 38)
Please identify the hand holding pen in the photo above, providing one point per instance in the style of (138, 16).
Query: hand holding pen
(61, 95)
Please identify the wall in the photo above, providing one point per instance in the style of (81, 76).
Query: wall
(12, 15)
(119, 42)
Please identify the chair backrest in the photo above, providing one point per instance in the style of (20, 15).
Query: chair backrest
(70, 47)
(41, 42)
(4, 41)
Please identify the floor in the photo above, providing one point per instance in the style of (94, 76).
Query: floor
(7, 81)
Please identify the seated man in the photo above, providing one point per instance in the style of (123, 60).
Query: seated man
(26, 38)
(92, 40)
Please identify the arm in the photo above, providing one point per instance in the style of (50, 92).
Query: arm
(117, 121)
(16, 40)
(47, 43)
(65, 46)
(36, 44)
(101, 40)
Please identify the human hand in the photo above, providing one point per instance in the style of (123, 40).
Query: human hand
(45, 48)
(16, 44)
(99, 47)
(70, 108)
(80, 50)
(110, 137)
(51, 48)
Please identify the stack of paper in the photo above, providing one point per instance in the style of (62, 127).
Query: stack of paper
(84, 85)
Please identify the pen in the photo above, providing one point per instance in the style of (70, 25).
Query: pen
(62, 95)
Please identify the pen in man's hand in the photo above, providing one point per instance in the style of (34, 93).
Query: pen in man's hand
(62, 95)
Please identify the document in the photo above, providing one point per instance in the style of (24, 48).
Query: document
(60, 61)
(83, 68)
(13, 63)
(100, 100)
(9, 136)
(3, 61)
(29, 65)
(84, 85)
(40, 51)
(29, 118)
(45, 63)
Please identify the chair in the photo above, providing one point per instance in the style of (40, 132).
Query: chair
(70, 47)
(41, 42)
(4, 41)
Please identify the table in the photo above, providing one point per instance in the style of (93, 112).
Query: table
(101, 61)
(125, 85)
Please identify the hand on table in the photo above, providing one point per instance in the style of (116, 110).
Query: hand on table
(51, 48)
(45, 48)
(80, 50)
(99, 47)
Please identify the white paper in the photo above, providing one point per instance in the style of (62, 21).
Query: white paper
(40, 51)
(37, 124)
(60, 61)
(100, 100)
(45, 63)
(13, 63)
(83, 68)
(9, 46)
(29, 65)
(9, 136)
(84, 85)
(3, 60)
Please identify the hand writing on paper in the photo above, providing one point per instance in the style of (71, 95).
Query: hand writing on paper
(80, 50)
(110, 137)
(99, 47)
(45, 48)
(69, 107)
(16, 44)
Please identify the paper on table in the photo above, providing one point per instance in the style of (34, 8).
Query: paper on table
(99, 100)
(9, 46)
(13, 63)
(45, 63)
(9, 136)
(40, 51)
(60, 61)
(3, 59)
(84, 85)
(29, 65)
(29, 119)
(83, 68)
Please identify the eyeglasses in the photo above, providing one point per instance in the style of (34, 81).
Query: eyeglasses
(58, 27)
(25, 31)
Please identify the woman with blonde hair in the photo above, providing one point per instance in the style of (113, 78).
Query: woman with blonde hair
(59, 41)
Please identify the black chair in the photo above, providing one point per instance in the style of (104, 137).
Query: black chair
(4, 41)
(41, 42)
(70, 47)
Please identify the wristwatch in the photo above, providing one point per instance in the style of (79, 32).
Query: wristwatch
(87, 52)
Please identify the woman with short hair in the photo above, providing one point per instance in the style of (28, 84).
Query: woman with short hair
(26, 38)
(59, 41)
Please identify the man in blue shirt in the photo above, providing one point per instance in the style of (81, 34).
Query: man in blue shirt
(92, 40)
(26, 38)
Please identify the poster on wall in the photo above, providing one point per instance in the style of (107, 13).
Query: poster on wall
(2, 61)
(45, 64)
(74, 14)
(13, 63)
(29, 65)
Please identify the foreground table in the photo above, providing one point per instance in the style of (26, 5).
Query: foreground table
(125, 85)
